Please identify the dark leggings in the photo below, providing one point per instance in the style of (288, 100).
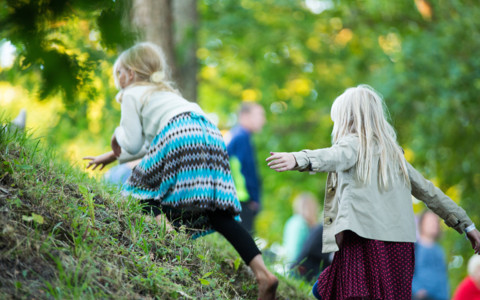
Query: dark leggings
(225, 224)
(240, 239)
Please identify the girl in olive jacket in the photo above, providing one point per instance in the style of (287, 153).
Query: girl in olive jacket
(369, 216)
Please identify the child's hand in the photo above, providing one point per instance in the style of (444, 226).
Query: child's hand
(474, 237)
(281, 161)
(101, 160)
(115, 146)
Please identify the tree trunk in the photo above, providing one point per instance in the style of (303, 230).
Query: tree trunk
(185, 14)
(173, 26)
(154, 21)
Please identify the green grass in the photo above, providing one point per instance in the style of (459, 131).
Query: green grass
(64, 235)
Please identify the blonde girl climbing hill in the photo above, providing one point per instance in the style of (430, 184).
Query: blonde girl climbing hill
(184, 173)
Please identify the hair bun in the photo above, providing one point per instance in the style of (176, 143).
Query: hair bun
(157, 77)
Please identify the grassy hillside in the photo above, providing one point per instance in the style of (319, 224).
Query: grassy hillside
(64, 235)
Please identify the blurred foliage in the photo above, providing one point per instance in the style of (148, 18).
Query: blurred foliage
(64, 50)
(44, 40)
(293, 57)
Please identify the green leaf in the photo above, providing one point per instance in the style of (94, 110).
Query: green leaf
(24, 167)
(83, 190)
(236, 264)
(16, 201)
(27, 218)
(37, 218)
(8, 167)
(204, 281)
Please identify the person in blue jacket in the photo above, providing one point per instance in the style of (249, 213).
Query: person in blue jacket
(430, 278)
(240, 148)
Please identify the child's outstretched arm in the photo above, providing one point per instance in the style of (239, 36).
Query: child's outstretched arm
(101, 160)
(340, 157)
(453, 215)
(281, 161)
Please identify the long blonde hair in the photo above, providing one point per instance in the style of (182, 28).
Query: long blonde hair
(361, 111)
(149, 67)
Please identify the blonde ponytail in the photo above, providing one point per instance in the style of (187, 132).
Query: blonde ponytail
(149, 67)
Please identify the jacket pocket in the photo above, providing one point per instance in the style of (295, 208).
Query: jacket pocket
(451, 220)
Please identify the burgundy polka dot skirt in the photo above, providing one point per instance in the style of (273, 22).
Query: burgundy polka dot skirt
(368, 269)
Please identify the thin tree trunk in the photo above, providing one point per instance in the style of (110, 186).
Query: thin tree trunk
(154, 20)
(185, 14)
(173, 26)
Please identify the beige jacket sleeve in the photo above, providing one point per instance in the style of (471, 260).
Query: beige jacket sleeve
(424, 190)
(340, 157)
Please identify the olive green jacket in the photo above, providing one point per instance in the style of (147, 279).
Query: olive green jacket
(367, 210)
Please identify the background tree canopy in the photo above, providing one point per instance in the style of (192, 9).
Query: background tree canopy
(293, 57)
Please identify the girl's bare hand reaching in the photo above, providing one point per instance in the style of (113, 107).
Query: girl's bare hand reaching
(101, 160)
(281, 161)
(474, 237)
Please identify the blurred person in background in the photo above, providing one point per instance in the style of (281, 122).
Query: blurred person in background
(297, 228)
(469, 288)
(311, 261)
(430, 278)
(240, 148)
